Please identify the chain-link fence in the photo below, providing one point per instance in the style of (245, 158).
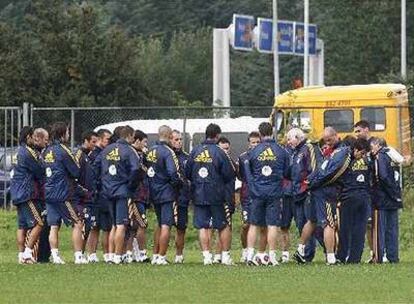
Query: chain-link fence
(392, 122)
(84, 119)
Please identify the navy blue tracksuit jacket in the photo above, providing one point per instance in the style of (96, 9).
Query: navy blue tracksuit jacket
(62, 172)
(27, 172)
(209, 169)
(267, 165)
(119, 170)
(164, 176)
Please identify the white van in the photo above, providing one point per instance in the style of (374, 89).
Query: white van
(193, 130)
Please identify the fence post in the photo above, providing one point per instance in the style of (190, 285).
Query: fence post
(26, 114)
(72, 129)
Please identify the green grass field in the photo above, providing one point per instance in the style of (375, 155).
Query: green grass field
(193, 282)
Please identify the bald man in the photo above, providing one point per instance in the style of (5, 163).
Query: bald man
(165, 180)
(41, 140)
(324, 186)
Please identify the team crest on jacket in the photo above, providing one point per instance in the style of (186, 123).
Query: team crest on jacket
(359, 165)
(266, 171)
(203, 157)
(49, 157)
(266, 155)
(113, 155)
(203, 172)
(152, 156)
(151, 172)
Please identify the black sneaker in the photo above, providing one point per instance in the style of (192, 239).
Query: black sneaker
(300, 259)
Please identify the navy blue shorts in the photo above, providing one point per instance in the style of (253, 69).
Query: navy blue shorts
(325, 210)
(181, 217)
(310, 209)
(104, 215)
(119, 211)
(29, 214)
(90, 216)
(287, 212)
(165, 213)
(245, 212)
(63, 211)
(266, 212)
(211, 217)
(137, 214)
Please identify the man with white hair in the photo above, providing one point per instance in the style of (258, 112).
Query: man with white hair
(323, 183)
(305, 157)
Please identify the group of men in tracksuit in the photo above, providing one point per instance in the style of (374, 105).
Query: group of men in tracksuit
(107, 184)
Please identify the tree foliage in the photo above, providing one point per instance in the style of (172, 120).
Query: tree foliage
(147, 52)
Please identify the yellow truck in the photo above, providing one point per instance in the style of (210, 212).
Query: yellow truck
(385, 106)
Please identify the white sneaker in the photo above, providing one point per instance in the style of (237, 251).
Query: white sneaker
(261, 259)
(117, 259)
(285, 259)
(273, 262)
(143, 258)
(57, 260)
(217, 259)
(162, 261)
(93, 258)
(20, 258)
(128, 259)
(385, 259)
(208, 260)
(243, 258)
(227, 262)
(108, 258)
(154, 259)
(81, 260)
(179, 259)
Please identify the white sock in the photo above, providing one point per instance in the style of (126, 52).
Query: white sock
(78, 255)
(225, 255)
(244, 253)
(301, 249)
(285, 254)
(250, 254)
(207, 254)
(217, 256)
(330, 258)
(54, 252)
(129, 253)
(117, 258)
(135, 245)
(272, 255)
(179, 256)
(371, 253)
(93, 256)
(28, 253)
(20, 256)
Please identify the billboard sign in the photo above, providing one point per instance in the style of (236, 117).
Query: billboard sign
(243, 32)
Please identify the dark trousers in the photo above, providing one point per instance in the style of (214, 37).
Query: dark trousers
(44, 246)
(300, 220)
(353, 221)
(388, 235)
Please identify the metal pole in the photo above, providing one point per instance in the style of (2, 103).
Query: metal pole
(5, 161)
(25, 114)
(404, 39)
(321, 63)
(72, 129)
(221, 68)
(19, 121)
(306, 51)
(275, 50)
